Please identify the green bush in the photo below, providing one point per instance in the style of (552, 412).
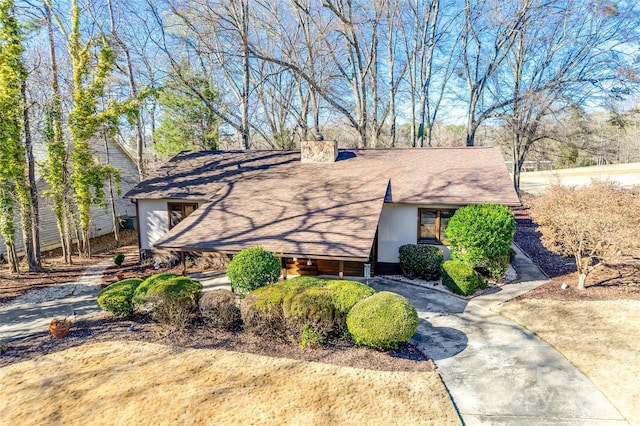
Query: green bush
(116, 298)
(420, 261)
(141, 290)
(301, 282)
(480, 236)
(252, 268)
(310, 307)
(118, 259)
(382, 321)
(344, 295)
(173, 300)
(262, 310)
(460, 278)
(218, 309)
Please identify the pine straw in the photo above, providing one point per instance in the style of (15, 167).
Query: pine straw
(599, 337)
(145, 383)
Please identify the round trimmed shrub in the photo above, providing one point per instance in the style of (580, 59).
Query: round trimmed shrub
(252, 268)
(218, 309)
(301, 282)
(174, 300)
(420, 260)
(344, 295)
(262, 312)
(480, 236)
(116, 298)
(382, 321)
(311, 308)
(461, 279)
(143, 288)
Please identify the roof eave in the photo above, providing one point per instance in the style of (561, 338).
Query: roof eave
(278, 253)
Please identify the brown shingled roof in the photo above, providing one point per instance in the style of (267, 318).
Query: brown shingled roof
(327, 210)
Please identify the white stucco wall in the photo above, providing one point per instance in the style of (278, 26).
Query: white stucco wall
(154, 220)
(398, 225)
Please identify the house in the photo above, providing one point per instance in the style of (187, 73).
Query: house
(323, 210)
(104, 150)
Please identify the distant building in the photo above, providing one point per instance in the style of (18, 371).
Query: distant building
(108, 151)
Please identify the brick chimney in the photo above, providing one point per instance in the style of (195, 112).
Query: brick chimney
(318, 151)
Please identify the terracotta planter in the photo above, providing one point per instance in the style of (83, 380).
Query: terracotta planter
(59, 328)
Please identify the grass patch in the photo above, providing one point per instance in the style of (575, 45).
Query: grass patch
(134, 382)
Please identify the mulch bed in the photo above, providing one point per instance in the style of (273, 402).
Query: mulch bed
(528, 239)
(338, 351)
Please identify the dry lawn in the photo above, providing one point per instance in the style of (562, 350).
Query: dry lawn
(144, 383)
(599, 337)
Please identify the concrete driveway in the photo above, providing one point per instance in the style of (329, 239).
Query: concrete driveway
(497, 372)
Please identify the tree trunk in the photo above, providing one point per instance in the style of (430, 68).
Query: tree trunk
(134, 95)
(60, 198)
(12, 258)
(582, 279)
(244, 137)
(31, 236)
(114, 214)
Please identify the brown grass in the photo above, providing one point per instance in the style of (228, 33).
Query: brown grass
(143, 383)
(599, 337)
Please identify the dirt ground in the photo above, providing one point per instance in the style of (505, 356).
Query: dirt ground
(145, 383)
(599, 337)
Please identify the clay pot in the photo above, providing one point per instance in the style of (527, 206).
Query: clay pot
(59, 328)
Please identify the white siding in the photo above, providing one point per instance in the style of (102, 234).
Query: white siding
(101, 219)
(398, 226)
(154, 220)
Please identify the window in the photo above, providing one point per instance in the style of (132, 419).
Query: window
(432, 224)
(178, 211)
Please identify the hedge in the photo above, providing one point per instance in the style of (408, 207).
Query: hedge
(461, 279)
(420, 261)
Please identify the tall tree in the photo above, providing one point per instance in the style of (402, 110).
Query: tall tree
(490, 30)
(56, 169)
(88, 177)
(187, 123)
(564, 53)
(13, 173)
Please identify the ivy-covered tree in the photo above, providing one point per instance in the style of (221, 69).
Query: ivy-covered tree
(187, 123)
(87, 176)
(13, 179)
(55, 169)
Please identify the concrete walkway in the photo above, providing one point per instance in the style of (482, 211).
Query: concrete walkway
(30, 314)
(496, 372)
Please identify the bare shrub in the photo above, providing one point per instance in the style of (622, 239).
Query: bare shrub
(218, 309)
(593, 224)
(174, 310)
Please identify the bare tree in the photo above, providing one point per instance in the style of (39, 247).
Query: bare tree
(562, 55)
(487, 23)
(593, 224)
